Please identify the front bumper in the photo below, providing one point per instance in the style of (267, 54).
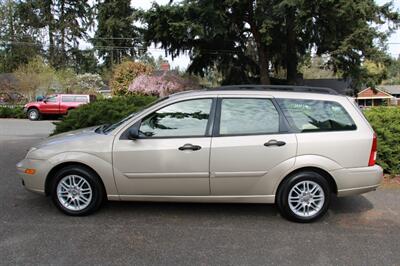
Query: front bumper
(351, 181)
(34, 182)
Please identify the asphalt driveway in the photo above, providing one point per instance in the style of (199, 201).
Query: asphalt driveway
(359, 230)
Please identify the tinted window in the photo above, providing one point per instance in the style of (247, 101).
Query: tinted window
(188, 118)
(248, 116)
(81, 99)
(314, 115)
(67, 99)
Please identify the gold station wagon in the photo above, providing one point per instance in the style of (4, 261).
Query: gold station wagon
(288, 145)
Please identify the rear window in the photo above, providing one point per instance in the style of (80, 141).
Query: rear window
(316, 115)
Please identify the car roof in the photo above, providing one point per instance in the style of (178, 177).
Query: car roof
(268, 90)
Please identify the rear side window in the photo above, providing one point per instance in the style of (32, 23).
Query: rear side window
(248, 116)
(67, 99)
(316, 115)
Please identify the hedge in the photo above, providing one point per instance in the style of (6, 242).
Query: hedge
(386, 123)
(12, 112)
(104, 111)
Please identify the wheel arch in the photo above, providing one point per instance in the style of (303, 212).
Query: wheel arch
(55, 169)
(322, 172)
(33, 107)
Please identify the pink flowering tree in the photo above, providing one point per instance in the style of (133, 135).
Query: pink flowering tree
(161, 85)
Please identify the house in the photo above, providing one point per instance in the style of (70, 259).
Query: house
(375, 97)
(393, 90)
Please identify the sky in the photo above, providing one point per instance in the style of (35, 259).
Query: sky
(183, 61)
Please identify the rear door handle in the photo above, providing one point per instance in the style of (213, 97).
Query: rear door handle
(274, 142)
(189, 146)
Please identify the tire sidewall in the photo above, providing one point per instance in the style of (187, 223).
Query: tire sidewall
(91, 178)
(283, 194)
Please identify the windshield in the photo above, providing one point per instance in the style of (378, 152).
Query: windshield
(105, 129)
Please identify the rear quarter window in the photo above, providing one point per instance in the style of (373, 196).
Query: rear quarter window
(81, 99)
(316, 115)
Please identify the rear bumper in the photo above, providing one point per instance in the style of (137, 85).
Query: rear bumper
(351, 181)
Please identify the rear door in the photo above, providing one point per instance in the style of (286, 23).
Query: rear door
(251, 140)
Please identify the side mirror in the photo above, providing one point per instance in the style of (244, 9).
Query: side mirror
(133, 133)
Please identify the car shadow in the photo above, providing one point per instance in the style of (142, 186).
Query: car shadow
(351, 204)
(124, 211)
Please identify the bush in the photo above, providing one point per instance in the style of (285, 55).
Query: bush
(125, 73)
(386, 123)
(12, 112)
(103, 111)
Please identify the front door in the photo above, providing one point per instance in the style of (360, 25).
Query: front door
(250, 147)
(171, 156)
(51, 105)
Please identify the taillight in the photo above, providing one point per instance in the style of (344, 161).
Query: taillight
(372, 156)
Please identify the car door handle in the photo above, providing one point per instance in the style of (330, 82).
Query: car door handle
(274, 142)
(189, 146)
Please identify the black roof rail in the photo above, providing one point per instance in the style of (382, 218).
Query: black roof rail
(290, 88)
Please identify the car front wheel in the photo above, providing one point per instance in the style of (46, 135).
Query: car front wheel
(33, 114)
(304, 197)
(77, 191)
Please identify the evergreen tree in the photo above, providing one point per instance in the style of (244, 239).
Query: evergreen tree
(116, 36)
(248, 40)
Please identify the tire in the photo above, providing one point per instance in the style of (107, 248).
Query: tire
(317, 202)
(77, 191)
(33, 114)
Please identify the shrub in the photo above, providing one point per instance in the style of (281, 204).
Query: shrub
(161, 85)
(103, 111)
(12, 112)
(125, 73)
(386, 123)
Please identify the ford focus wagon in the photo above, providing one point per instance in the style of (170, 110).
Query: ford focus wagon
(292, 146)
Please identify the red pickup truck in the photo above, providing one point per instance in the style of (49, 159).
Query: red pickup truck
(58, 104)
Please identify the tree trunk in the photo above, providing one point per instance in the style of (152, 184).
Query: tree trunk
(263, 63)
(261, 48)
(291, 50)
(62, 26)
(49, 21)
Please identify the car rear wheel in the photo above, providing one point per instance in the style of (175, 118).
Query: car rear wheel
(77, 191)
(33, 114)
(304, 197)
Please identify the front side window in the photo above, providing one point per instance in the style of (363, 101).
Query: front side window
(51, 99)
(248, 116)
(316, 115)
(187, 118)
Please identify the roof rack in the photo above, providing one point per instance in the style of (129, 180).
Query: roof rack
(278, 88)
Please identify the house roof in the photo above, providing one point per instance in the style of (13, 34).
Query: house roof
(392, 89)
(376, 93)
